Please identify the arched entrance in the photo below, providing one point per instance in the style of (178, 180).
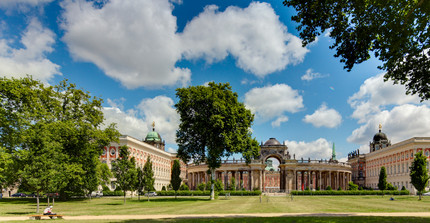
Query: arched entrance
(272, 175)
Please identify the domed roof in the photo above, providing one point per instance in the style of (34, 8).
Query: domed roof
(272, 142)
(153, 136)
(380, 136)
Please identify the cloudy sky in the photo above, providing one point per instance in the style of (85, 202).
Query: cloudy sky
(135, 53)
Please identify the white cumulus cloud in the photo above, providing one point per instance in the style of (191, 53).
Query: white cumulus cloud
(31, 59)
(324, 117)
(253, 35)
(377, 102)
(21, 5)
(318, 149)
(132, 41)
(136, 41)
(273, 101)
(138, 122)
(279, 121)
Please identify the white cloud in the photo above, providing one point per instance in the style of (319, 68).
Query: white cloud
(374, 94)
(400, 123)
(254, 36)
(310, 75)
(134, 42)
(21, 5)
(279, 121)
(402, 116)
(324, 117)
(138, 122)
(273, 101)
(318, 149)
(171, 150)
(31, 59)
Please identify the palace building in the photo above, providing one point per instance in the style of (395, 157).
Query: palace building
(396, 159)
(152, 146)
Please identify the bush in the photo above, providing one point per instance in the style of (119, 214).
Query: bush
(219, 185)
(201, 187)
(328, 187)
(403, 188)
(339, 188)
(113, 193)
(184, 187)
(391, 187)
(163, 188)
(352, 186)
(105, 188)
(208, 193)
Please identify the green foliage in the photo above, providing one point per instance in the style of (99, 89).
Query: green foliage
(328, 187)
(175, 179)
(352, 186)
(61, 125)
(395, 31)
(403, 188)
(350, 192)
(218, 186)
(184, 187)
(124, 170)
(201, 187)
(339, 188)
(382, 183)
(6, 169)
(113, 193)
(419, 174)
(139, 182)
(214, 124)
(148, 176)
(391, 187)
(232, 186)
(163, 188)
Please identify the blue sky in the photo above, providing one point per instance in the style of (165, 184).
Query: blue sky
(135, 53)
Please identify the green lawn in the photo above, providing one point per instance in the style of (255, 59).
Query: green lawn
(200, 205)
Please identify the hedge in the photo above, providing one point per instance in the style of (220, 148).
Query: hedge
(351, 192)
(113, 193)
(207, 193)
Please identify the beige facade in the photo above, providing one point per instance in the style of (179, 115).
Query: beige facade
(162, 161)
(396, 159)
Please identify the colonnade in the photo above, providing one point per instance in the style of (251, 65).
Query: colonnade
(295, 177)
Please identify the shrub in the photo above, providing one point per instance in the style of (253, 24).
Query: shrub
(350, 192)
(163, 188)
(184, 187)
(328, 187)
(218, 185)
(352, 186)
(201, 186)
(113, 193)
(403, 188)
(339, 188)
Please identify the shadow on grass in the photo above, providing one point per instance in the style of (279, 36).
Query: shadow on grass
(19, 213)
(170, 199)
(353, 219)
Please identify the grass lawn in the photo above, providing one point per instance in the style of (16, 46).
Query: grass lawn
(235, 205)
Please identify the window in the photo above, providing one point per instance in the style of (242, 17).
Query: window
(427, 153)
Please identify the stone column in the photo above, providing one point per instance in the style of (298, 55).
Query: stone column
(329, 179)
(260, 172)
(319, 181)
(225, 180)
(251, 180)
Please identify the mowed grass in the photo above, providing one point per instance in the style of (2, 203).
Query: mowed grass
(234, 205)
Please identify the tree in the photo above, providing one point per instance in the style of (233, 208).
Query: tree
(233, 184)
(175, 179)
(140, 182)
(34, 116)
(352, 186)
(6, 170)
(382, 183)
(214, 124)
(148, 176)
(419, 175)
(124, 170)
(395, 31)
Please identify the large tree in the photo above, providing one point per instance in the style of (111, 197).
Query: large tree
(148, 176)
(6, 170)
(124, 170)
(382, 183)
(396, 32)
(175, 179)
(419, 174)
(214, 124)
(36, 120)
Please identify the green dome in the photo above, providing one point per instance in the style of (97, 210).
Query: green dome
(153, 136)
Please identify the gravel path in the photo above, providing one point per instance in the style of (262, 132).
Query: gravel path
(128, 217)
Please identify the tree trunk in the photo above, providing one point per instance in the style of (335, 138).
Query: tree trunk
(419, 194)
(48, 200)
(124, 196)
(176, 192)
(37, 200)
(213, 184)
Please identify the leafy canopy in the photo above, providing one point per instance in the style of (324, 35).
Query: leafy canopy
(214, 124)
(396, 32)
(382, 183)
(419, 174)
(124, 170)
